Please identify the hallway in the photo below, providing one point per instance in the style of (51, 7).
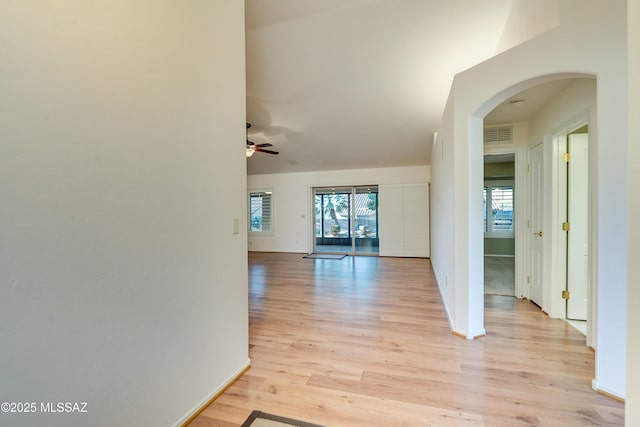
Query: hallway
(364, 341)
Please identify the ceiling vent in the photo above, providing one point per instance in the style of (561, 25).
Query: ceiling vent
(498, 135)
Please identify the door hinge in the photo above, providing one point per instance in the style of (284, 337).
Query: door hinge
(529, 279)
(566, 226)
(528, 223)
(529, 167)
(566, 295)
(566, 157)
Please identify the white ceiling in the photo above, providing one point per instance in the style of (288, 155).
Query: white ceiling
(348, 84)
(526, 104)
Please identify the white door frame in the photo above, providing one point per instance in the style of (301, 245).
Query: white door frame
(519, 211)
(555, 247)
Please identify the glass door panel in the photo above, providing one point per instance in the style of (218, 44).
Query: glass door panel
(365, 213)
(346, 220)
(332, 208)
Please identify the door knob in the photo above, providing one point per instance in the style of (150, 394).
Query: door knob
(539, 233)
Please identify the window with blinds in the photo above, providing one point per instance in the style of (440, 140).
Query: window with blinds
(260, 211)
(498, 209)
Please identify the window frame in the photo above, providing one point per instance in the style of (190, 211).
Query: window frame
(489, 232)
(262, 193)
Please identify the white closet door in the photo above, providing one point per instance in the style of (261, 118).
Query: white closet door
(404, 220)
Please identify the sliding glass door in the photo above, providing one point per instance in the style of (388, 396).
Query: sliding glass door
(346, 220)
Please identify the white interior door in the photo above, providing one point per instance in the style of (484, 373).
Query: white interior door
(535, 224)
(577, 217)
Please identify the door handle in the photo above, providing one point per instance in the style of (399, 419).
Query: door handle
(539, 233)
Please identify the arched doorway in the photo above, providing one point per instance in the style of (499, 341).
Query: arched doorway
(557, 107)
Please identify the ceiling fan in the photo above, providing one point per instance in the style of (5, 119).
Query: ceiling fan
(253, 147)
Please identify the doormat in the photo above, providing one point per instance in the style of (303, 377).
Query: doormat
(262, 419)
(325, 256)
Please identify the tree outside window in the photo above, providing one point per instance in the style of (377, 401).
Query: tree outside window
(260, 212)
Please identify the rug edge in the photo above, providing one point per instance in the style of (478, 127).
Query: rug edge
(336, 257)
(264, 415)
(251, 418)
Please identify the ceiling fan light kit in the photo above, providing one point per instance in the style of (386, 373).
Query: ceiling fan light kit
(252, 147)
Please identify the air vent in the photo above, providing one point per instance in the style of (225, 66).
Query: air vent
(498, 135)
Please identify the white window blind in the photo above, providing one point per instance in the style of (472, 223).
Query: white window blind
(498, 209)
(260, 212)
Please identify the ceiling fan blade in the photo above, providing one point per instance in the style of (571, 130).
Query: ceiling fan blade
(259, 147)
(262, 150)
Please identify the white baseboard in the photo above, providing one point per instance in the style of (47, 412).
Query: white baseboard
(211, 396)
(444, 302)
(610, 393)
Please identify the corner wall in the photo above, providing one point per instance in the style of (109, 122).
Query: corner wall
(528, 19)
(122, 166)
(591, 40)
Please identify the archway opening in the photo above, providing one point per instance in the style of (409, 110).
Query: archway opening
(536, 112)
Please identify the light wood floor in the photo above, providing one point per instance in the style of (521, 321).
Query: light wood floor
(365, 342)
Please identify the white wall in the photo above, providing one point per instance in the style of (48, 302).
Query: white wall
(121, 168)
(292, 201)
(528, 19)
(443, 179)
(573, 101)
(591, 40)
(632, 412)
